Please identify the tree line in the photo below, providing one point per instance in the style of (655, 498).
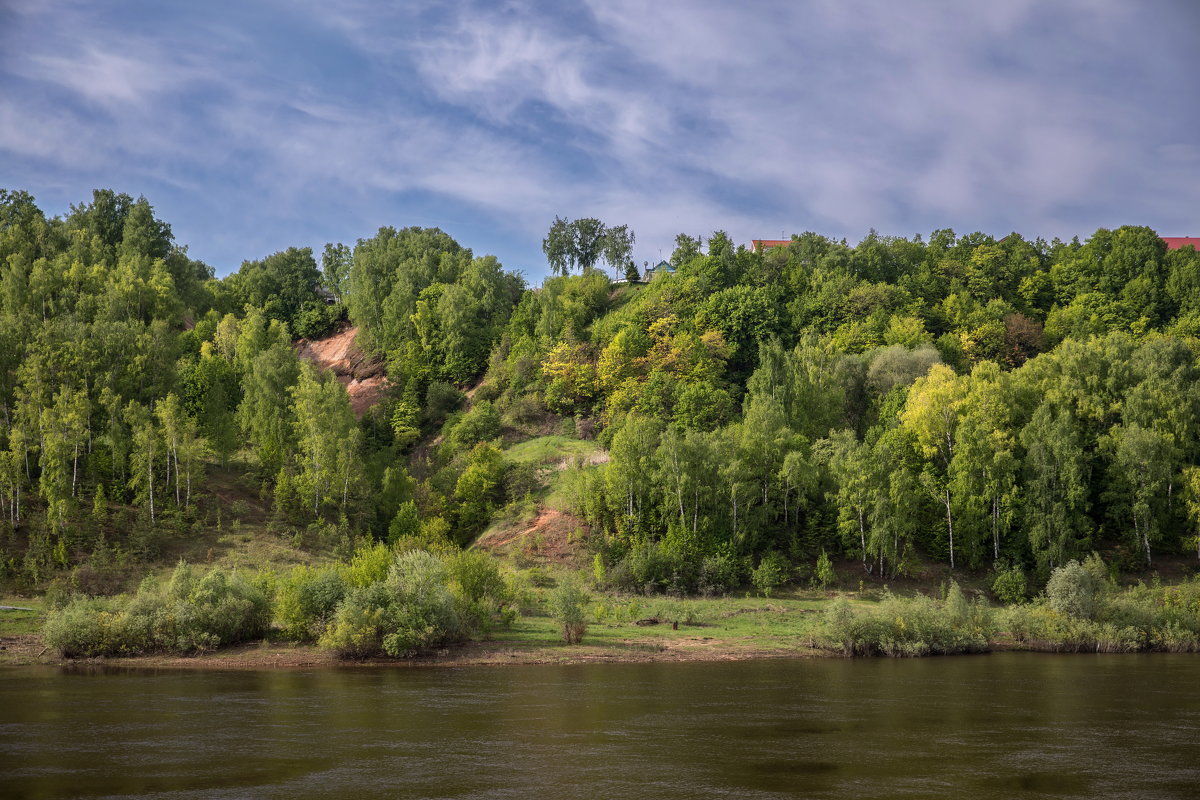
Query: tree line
(971, 400)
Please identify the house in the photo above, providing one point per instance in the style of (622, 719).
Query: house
(1176, 242)
(661, 268)
(759, 245)
(1173, 243)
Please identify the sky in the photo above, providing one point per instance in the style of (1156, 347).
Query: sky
(256, 126)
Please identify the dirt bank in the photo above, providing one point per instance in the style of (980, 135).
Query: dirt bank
(362, 375)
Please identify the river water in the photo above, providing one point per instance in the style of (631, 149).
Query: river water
(999, 726)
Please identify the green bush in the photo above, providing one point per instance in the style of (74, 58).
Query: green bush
(1072, 590)
(484, 597)
(411, 610)
(307, 599)
(909, 627)
(825, 575)
(1009, 585)
(568, 605)
(1139, 618)
(190, 613)
(721, 574)
(480, 424)
(441, 399)
(770, 574)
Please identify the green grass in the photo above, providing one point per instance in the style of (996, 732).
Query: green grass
(550, 449)
(21, 623)
(778, 624)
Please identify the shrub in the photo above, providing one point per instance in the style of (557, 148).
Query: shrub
(480, 424)
(1009, 585)
(440, 400)
(770, 573)
(358, 628)
(721, 573)
(411, 610)
(568, 605)
(190, 613)
(369, 565)
(908, 627)
(825, 575)
(1071, 590)
(422, 608)
(483, 596)
(307, 600)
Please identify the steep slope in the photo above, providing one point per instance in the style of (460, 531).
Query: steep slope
(361, 374)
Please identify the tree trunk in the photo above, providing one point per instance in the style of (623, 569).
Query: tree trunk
(862, 538)
(150, 473)
(950, 528)
(996, 528)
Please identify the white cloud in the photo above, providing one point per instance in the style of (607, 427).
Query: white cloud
(672, 116)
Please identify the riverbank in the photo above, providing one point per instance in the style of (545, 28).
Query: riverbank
(637, 631)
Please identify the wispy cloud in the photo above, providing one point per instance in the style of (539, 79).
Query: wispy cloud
(262, 126)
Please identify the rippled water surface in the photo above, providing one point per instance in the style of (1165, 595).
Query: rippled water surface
(1005, 725)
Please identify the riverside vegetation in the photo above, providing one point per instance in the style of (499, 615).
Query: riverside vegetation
(962, 407)
(403, 604)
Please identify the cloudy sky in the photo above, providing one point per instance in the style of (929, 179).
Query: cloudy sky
(254, 126)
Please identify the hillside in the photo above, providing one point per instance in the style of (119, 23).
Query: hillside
(959, 405)
(362, 375)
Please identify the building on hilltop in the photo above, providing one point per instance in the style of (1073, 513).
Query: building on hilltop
(661, 268)
(759, 245)
(1176, 242)
(1173, 243)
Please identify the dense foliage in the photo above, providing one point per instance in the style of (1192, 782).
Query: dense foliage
(979, 402)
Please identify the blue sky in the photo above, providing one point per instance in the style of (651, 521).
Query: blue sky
(254, 126)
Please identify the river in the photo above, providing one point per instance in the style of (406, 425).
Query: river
(999, 726)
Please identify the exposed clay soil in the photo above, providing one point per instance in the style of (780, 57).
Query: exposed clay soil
(362, 375)
(551, 538)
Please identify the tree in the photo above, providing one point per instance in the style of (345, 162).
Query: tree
(265, 415)
(1055, 486)
(1143, 461)
(336, 262)
(283, 283)
(851, 466)
(581, 243)
(932, 413)
(1191, 487)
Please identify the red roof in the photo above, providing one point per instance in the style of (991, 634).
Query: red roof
(764, 244)
(1176, 242)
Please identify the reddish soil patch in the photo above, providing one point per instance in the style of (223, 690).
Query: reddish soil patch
(362, 375)
(550, 538)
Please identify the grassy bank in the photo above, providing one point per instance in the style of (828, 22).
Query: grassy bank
(453, 607)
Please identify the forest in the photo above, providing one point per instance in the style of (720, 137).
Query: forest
(990, 404)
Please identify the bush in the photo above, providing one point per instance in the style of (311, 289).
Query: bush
(441, 399)
(909, 627)
(825, 575)
(770, 573)
(480, 424)
(568, 605)
(1072, 590)
(307, 600)
(190, 613)
(1009, 585)
(484, 597)
(721, 574)
(411, 610)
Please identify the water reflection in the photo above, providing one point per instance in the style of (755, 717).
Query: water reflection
(1007, 725)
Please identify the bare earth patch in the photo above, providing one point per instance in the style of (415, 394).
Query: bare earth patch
(553, 537)
(362, 375)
